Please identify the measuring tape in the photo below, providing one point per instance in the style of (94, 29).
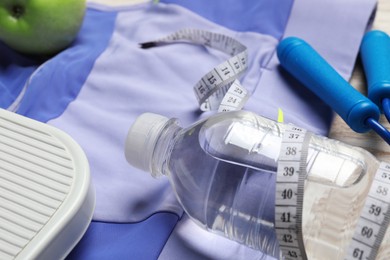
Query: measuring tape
(374, 219)
(219, 89)
(291, 174)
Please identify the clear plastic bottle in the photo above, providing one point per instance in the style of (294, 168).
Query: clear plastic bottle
(223, 171)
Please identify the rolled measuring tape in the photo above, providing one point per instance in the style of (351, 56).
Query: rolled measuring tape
(290, 179)
(220, 88)
(374, 219)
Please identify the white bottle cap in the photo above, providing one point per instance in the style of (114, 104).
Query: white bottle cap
(142, 138)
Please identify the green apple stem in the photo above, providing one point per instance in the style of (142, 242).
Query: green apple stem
(17, 11)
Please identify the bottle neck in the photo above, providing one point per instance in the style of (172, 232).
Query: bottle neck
(163, 148)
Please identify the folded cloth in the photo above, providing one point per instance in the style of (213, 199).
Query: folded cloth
(96, 88)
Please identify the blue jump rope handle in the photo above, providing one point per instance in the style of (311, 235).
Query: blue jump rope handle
(375, 56)
(306, 65)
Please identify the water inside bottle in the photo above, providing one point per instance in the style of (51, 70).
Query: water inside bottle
(228, 178)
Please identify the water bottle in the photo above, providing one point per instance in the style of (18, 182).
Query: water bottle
(223, 172)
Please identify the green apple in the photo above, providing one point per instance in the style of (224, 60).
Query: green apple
(40, 27)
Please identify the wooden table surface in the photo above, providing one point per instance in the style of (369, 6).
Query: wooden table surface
(339, 129)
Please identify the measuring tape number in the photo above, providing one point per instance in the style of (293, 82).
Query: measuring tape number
(291, 174)
(374, 219)
(220, 88)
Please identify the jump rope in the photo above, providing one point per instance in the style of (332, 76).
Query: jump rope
(361, 113)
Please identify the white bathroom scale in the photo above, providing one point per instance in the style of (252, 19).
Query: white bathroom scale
(46, 196)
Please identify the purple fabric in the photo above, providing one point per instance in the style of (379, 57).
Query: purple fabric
(329, 26)
(143, 240)
(126, 81)
(260, 16)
